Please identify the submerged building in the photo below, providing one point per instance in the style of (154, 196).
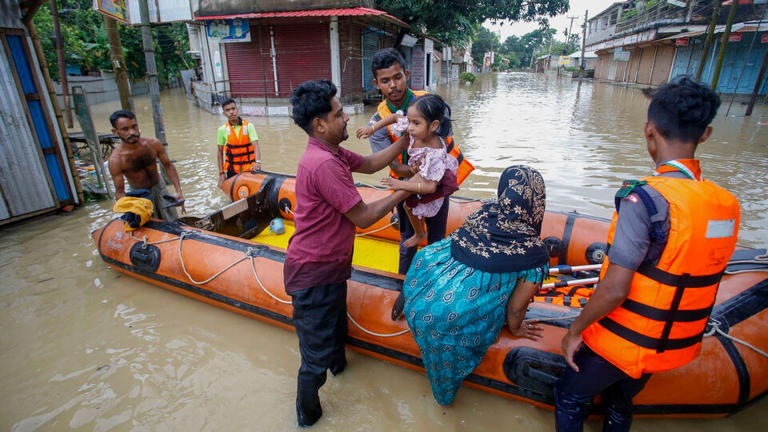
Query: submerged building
(648, 42)
(36, 169)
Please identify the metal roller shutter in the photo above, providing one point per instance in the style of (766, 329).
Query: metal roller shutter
(250, 67)
(303, 53)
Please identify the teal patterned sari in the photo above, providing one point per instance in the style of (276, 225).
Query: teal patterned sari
(457, 290)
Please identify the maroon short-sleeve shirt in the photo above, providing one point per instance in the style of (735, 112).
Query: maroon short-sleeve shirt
(320, 251)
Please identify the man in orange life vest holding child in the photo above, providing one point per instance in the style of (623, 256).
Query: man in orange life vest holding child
(391, 77)
(669, 243)
(237, 144)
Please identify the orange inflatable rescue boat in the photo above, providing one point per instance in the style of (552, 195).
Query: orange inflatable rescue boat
(230, 259)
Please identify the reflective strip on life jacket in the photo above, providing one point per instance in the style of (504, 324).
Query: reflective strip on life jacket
(238, 152)
(661, 323)
(465, 167)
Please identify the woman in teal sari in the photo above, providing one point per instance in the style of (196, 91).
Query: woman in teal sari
(460, 291)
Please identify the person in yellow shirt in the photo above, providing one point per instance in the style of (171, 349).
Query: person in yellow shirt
(238, 144)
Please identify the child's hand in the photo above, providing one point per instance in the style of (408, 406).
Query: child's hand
(364, 132)
(391, 183)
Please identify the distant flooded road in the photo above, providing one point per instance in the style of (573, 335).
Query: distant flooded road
(84, 347)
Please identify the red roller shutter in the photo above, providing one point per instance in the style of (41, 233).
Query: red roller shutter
(303, 53)
(247, 78)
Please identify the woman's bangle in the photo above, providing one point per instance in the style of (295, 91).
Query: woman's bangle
(222, 172)
(257, 161)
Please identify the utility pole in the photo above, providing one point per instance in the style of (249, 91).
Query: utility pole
(118, 63)
(724, 43)
(570, 32)
(154, 86)
(582, 63)
(710, 38)
(62, 66)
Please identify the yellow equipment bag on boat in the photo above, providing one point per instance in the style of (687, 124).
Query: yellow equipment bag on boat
(136, 211)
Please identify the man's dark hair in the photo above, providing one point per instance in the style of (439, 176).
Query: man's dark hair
(312, 99)
(385, 58)
(682, 109)
(121, 114)
(227, 101)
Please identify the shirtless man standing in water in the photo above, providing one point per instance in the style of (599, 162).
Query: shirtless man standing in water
(136, 159)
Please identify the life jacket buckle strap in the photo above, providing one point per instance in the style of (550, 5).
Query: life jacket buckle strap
(652, 272)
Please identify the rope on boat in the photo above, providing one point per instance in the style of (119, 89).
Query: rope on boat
(289, 211)
(144, 241)
(248, 254)
(383, 335)
(375, 230)
(263, 288)
(760, 260)
(716, 329)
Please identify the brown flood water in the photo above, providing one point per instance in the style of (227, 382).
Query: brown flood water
(82, 347)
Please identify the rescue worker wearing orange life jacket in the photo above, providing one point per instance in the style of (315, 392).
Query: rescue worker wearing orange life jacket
(238, 144)
(391, 77)
(669, 243)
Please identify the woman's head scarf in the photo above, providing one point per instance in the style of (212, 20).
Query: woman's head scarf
(504, 236)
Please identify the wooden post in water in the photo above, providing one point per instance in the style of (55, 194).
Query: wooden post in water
(759, 81)
(154, 86)
(118, 63)
(724, 43)
(62, 66)
(709, 40)
(582, 62)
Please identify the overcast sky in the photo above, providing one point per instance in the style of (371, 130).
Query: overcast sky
(560, 22)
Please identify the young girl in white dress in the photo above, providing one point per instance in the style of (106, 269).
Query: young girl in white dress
(427, 153)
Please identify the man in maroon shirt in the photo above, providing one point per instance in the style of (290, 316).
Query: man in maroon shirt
(319, 258)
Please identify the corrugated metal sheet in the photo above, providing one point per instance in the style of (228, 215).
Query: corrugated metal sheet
(357, 11)
(39, 119)
(664, 58)
(22, 179)
(303, 53)
(10, 16)
(351, 53)
(687, 60)
(370, 46)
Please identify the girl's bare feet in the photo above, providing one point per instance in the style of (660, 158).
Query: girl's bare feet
(415, 240)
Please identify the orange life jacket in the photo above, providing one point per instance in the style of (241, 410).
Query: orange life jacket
(661, 323)
(450, 146)
(238, 152)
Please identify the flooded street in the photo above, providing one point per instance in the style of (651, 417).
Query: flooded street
(83, 347)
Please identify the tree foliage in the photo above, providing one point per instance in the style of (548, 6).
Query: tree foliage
(86, 44)
(531, 44)
(484, 41)
(453, 21)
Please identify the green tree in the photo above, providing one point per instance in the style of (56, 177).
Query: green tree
(86, 45)
(484, 41)
(452, 21)
(531, 44)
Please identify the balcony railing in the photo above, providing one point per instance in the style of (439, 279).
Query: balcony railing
(650, 14)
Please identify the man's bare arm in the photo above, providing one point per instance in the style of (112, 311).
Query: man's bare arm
(364, 215)
(116, 171)
(608, 295)
(170, 169)
(380, 159)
